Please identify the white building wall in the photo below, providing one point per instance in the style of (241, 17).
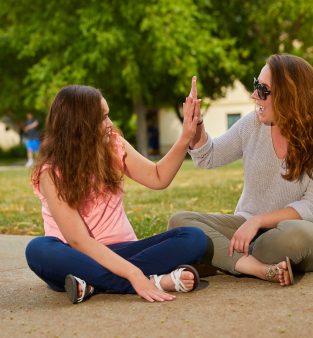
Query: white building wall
(236, 101)
(8, 138)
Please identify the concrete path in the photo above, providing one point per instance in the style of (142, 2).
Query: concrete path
(224, 306)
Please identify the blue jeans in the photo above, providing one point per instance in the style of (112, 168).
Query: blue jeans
(51, 259)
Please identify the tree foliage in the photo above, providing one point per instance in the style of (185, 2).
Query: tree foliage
(265, 27)
(141, 54)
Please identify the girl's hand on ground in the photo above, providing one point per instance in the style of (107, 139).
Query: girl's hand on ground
(243, 236)
(146, 289)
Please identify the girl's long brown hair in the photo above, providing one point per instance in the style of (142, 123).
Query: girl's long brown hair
(79, 151)
(292, 97)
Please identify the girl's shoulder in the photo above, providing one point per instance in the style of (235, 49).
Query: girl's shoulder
(35, 181)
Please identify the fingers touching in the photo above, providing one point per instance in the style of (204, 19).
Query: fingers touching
(193, 91)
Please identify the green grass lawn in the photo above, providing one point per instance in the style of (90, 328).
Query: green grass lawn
(193, 189)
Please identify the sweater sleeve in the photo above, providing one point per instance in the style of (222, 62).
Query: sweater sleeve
(225, 148)
(304, 206)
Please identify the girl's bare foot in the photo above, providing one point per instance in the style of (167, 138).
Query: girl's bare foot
(184, 279)
(80, 290)
(77, 290)
(187, 278)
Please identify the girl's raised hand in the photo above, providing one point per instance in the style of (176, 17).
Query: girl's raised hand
(194, 94)
(193, 90)
(191, 109)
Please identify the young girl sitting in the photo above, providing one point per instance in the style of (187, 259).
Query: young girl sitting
(89, 245)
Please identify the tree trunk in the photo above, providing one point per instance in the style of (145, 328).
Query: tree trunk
(141, 133)
(178, 112)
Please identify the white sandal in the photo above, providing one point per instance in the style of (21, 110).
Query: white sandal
(175, 276)
(71, 289)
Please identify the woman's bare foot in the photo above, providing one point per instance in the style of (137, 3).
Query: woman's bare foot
(278, 273)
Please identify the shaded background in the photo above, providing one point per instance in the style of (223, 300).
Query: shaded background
(141, 54)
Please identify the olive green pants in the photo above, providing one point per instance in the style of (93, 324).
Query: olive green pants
(292, 238)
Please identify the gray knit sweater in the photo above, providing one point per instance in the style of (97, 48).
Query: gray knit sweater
(264, 189)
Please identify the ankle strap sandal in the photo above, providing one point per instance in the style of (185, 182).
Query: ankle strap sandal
(175, 276)
(71, 285)
(272, 271)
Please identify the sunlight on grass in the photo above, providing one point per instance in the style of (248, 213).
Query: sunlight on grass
(193, 189)
(20, 209)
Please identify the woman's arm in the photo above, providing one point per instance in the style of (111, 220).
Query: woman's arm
(297, 210)
(208, 153)
(304, 206)
(75, 232)
(246, 232)
(159, 175)
(200, 137)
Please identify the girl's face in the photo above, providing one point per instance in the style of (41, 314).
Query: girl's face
(107, 123)
(264, 108)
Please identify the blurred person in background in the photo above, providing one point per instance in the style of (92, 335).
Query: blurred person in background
(32, 138)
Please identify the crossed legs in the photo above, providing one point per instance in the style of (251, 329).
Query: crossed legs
(291, 238)
(52, 260)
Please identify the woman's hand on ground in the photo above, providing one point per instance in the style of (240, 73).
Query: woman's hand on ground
(243, 236)
(146, 289)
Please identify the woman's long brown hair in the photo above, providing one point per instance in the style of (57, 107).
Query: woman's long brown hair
(292, 97)
(79, 151)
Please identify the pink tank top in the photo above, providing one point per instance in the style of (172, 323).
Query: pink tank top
(104, 217)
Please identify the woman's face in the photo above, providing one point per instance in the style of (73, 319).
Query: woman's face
(107, 123)
(264, 108)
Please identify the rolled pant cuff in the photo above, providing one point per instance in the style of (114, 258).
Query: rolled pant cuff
(234, 258)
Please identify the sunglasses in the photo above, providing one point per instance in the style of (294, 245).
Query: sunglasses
(261, 88)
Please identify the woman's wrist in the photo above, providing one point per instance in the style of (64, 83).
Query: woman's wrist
(258, 221)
